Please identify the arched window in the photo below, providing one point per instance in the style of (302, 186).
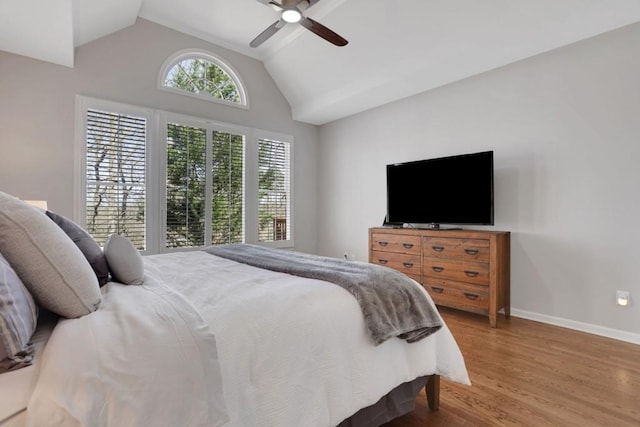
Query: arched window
(203, 75)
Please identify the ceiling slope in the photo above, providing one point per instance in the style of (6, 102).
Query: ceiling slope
(38, 29)
(93, 19)
(397, 49)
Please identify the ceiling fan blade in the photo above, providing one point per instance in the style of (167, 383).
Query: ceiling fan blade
(322, 31)
(263, 36)
(306, 4)
(275, 5)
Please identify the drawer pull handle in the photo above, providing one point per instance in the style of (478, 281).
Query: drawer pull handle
(408, 264)
(470, 251)
(470, 295)
(407, 245)
(383, 261)
(438, 248)
(471, 273)
(437, 269)
(381, 243)
(437, 290)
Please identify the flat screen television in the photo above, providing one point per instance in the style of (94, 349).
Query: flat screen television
(456, 190)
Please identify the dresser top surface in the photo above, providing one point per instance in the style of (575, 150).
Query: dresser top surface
(442, 232)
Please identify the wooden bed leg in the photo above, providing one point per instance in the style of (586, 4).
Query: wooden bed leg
(433, 392)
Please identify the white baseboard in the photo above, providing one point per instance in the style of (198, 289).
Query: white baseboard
(616, 334)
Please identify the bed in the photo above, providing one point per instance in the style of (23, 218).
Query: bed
(205, 340)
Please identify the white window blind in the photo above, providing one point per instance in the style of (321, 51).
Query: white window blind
(170, 182)
(274, 213)
(228, 178)
(186, 185)
(115, 176)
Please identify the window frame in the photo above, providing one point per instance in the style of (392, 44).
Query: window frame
(83, 104)
(274, 136)
(171, 61)
(155, 168)
(252, 137)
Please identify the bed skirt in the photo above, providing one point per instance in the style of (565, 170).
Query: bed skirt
(399, 401)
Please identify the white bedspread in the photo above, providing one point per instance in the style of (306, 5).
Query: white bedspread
(282, 351)
(145, 358)
(295, 351)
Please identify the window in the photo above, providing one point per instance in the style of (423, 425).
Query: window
(170, 182)
(115, 176)
(227, 168)
(273, 190)
(202, 75)
(186, 179)
(204, 199)
(225, 184)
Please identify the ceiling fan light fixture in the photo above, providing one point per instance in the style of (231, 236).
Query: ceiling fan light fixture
(291, 15)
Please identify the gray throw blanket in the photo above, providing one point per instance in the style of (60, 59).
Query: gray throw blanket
(392, 305)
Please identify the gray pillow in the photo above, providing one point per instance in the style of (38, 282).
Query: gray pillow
(18, 317)
(124, 260)
(47, 261)
(87, 245)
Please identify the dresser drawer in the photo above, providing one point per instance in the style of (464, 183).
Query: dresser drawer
(396, 243)
(463, 296)
(463, 249)
(468, 272)
(408, 264)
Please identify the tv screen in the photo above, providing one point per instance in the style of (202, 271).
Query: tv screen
(447, 190)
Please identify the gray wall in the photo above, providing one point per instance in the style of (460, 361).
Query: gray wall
(565, 128)
(37, 117)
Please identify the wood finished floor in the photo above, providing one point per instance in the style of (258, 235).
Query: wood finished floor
(526, 373)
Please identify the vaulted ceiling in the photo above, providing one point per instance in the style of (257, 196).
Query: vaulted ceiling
(396, 48)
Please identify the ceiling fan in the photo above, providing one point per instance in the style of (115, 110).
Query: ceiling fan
(290, 13)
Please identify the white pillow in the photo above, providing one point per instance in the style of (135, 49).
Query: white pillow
(47, 261)
(124, 260)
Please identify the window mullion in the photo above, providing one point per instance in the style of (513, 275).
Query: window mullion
(251, 189)
(208, 188)
(155, 170)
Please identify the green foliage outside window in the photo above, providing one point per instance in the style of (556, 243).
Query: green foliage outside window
(201, 76)
(228, 188)
(186, 178)
(187, 175)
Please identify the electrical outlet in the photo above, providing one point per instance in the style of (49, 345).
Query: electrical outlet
(623, 298)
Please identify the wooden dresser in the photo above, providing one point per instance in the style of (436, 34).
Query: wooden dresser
(464, 269)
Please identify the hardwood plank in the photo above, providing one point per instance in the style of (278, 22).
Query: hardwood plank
(527, 373)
